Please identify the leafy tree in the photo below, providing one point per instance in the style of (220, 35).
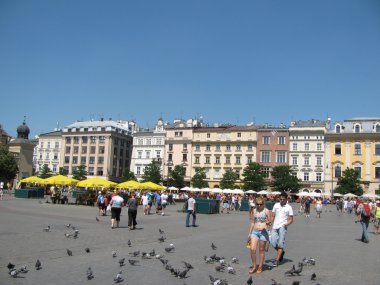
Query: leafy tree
(228, 180)
(128, 175)
(283, 179)
(199, 179)
(177, 177)
(349, 182)
(152, 173)
(253, 177)
(63, 171)
(80, 173)
(45, 172)
(8, 164)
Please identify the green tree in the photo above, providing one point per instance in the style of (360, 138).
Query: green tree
(63, 171)
(349, 182)
(80, 173)
(152, 173)
(8, 164)
(45, 172)
(177, 177)
(253, 177)
(284, 180)
(228, 180)
(128, 175)
(199, 179)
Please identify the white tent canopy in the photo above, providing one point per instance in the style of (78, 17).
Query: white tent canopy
(350, 195)
(172, 188)
(304, 194)
(186, 188)
(263, 192)
(250, 192)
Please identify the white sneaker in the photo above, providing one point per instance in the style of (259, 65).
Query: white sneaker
(162, 214)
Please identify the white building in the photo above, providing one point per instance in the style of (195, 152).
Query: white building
(148, 145)
(307, 153)
(48, 151)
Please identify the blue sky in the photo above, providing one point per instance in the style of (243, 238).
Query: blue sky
(228, 61)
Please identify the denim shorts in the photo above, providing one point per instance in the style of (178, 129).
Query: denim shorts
(260, 235)
(278, 237)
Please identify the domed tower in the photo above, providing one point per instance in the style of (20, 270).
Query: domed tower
(23, 130)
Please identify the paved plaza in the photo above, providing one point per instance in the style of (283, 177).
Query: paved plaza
(332, 240)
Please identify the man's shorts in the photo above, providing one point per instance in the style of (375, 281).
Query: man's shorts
(226, 205)
(278, 237)
(101, 206)
(260, 235)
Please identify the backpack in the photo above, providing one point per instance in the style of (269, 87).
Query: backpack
(100, 199)
(366, 211)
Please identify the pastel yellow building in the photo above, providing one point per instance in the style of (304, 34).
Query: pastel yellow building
(354, 143)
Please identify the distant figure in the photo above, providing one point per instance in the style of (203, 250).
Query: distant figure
(364, 211)
(116, 204)
(191, 210)
(376, 223)
(144, 201)
(132, 205)
(318, 207)
(164, 202)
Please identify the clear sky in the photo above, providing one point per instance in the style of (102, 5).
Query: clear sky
(228, 61)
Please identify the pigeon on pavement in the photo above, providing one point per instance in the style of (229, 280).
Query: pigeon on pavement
(23, 269)
(135, 253)
(249, 281)
(47, 229)
(213, 246)
(121, 262)
(182, 274)
(119, 277)
(161, 239)
(164, 261)
(69, 252)
(235, 260)
(68, 225)
(313, 276)
(96, 218)
(133, 262)
(87, 250)
(89, 273)
(231, 270)
(291, 271)
(299, 269)
(187, 265)
(161, 231)
(129, 243)
(38, 265)
(10, 266)
(113, 253)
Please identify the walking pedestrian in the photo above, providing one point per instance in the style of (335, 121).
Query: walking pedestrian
(364, 211)
(191, 211)
(117, 202)
(100, 202)
(318, 207)
(164, 202)
(282, 217)
(132, 205)
(376, 223)
(144, 200)
(260, 220)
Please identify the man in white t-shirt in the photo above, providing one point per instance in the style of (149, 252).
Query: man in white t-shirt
(144, 200)
(164, 201)
(191, 211)
(282, 218)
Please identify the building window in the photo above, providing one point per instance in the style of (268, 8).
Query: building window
(295, 160)
(84, 149)
(357, 128)
(147, 154)
(48, 145)
(99, 171)
(266, 140)
(377, 172)
(249, 159)
(197, 147)
(178, 134)
(138, 170)
(93, 140)
(140, 141)
(67, 159)
(208, 135)
(92, 160)
(170, 157)
(250, 147)
(306, 161)
(83, 160)
(358, 149)
(158, 154)
(185, 147)
(377, 128)
(184, 157)
(265, 171)
(67, 149)
(238, 147)
(55, 156)
(217, 160)
(75, 160)
(76, 140)
(319, 147)
(47, 156)
(265, 156)
(238, 160)
(239, 135)
(197, 160)
(101, 139)
(338, 171)
(207, 160)
(295, 146)
(377, 149)
(307, 146)
(68, 140)
(208, 147)
(281, 140)
(84, 139)
(338, 149)
(306, 176)
(228, 160)
(281, 157)
(217, 147)
(100, 160)
(228, 147)
(319, 161)
(318, 177)
(90, 171)
(337, 129)
(216, 173)
(170, 147)
(76, 149)
(358, 171)
(149, 141)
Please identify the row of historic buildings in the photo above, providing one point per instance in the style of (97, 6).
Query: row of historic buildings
(318, 151)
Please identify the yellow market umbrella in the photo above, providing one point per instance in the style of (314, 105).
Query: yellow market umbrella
(152, 186)
(131, 184)
(96, 182)
(60, 180)
(32, 179)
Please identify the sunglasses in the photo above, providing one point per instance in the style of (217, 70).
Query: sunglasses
(259, 204)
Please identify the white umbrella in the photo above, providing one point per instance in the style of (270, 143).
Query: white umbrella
(186, 188)
(275, 193)
(337, 195)
(228, 191)
(216, 190)
(315, 194)
(206, 189)
(263, 192)
(304, 194)
(195, 190)
(238, 191)
(350, 195)
(250, 192)
(172, 188)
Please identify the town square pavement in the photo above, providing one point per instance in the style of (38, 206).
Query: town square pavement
(332, 240)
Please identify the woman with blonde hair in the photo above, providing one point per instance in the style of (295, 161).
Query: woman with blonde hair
(260, 220)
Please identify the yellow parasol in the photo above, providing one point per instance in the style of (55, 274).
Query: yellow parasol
(96, 182)
(32, 179)
(131, 184)
(152, 186)
(60, 180)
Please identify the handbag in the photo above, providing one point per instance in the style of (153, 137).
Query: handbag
(109, 207)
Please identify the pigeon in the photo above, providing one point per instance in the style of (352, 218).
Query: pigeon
(313, 276)
(10, 266)
(222, 261)
(23, 269)
(68, 225)
(113, 253)
(169, 249)
(38, 265)
(119, 277)
(182, 274)
(208, 259)
(152, 253)
(249, 281)
(75, 235)
(161, 231)
(235, 260)
(187, 265)
(47, 229)
(274, 282)
(89, 273)
(73, 228)
(291, 271)
(168, 267)
(231, 270)
(69, 252)
(13, 273)
(96, 218)
(159, 256)
(213, 246)
(308, 262)
(129, 243)
(87, 250)
(135, 253)
(133, 262)
(68, 235)
(299, 269)
(219, 268)
(296, 283)
(164, 261)
(161, 239)
(121, 262)
(145, 255)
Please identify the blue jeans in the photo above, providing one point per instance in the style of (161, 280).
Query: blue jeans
(365, 230)
(190, 212)
(277, 239)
